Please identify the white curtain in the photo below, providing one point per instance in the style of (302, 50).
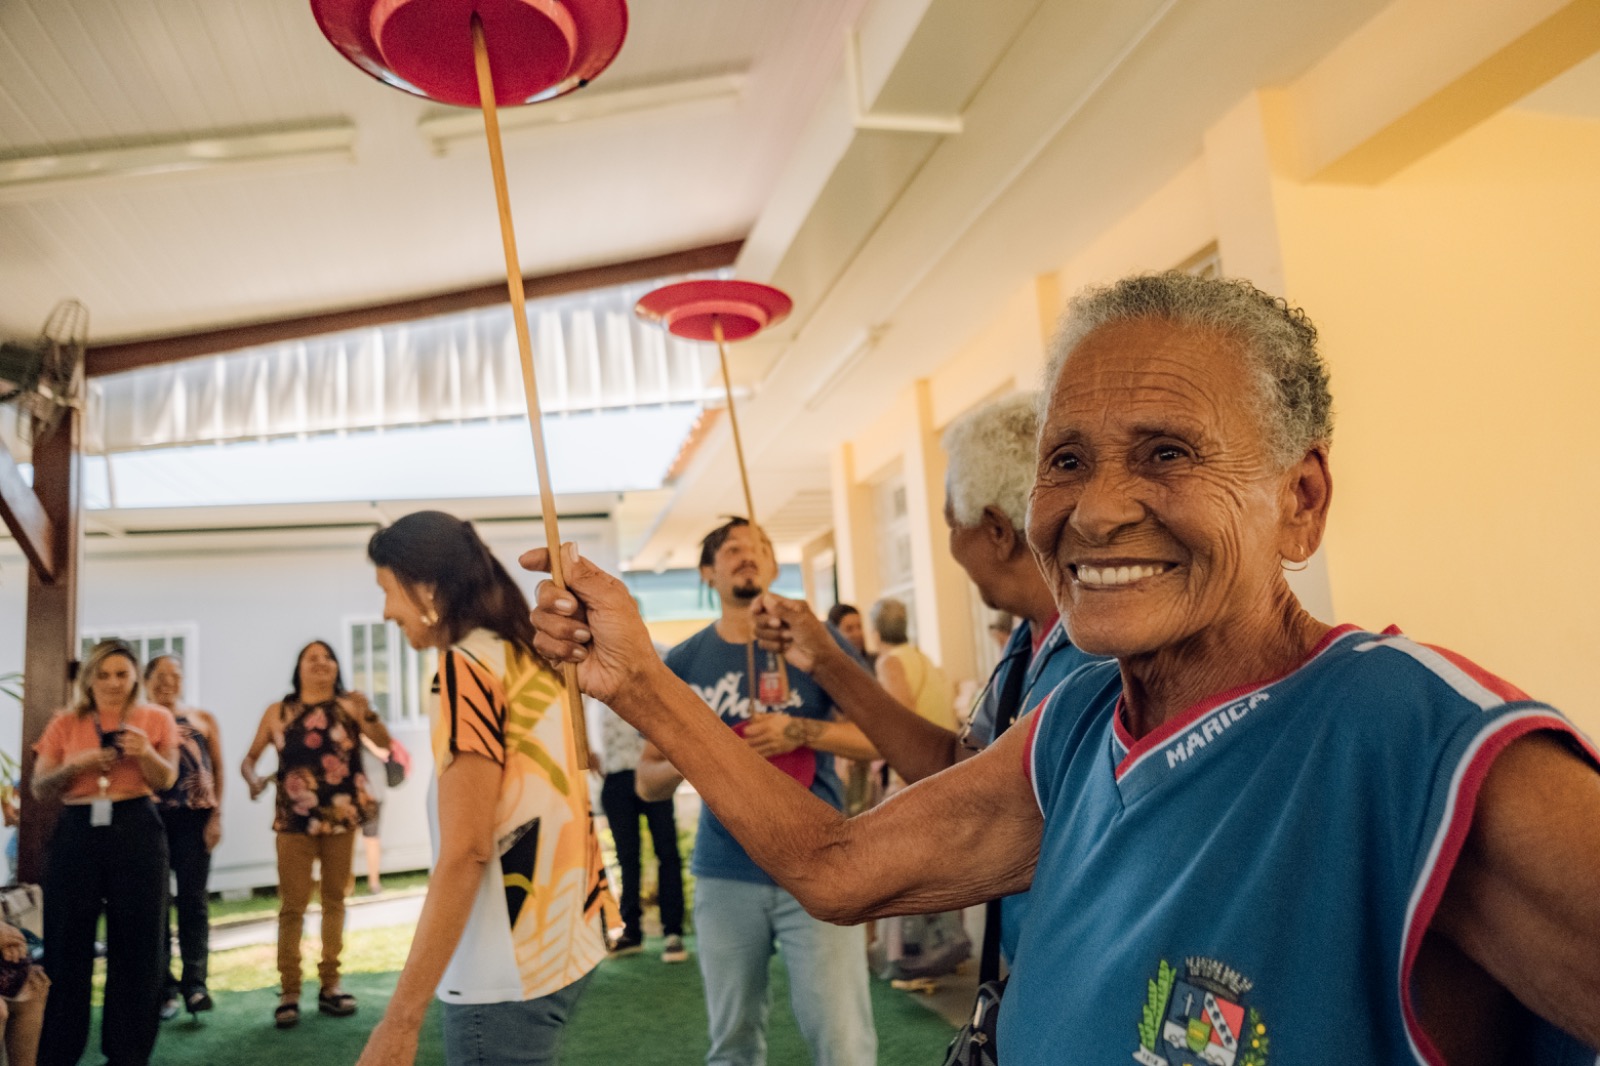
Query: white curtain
(590, 352)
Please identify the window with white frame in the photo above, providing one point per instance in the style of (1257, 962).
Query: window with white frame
(896, 576)
(149, 640)
(382, 663)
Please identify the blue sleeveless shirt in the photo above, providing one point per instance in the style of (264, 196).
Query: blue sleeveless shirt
(1249, 884)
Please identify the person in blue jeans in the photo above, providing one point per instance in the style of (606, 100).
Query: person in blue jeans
(740, 914)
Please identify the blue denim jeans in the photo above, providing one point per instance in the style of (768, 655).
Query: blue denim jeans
(737, 924)
(510, 1034)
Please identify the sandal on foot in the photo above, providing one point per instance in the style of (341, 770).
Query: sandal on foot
(197, 1001)
(286, 1016)
(338, 1004)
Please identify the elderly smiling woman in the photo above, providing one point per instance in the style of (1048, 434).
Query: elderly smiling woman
(1252, 837)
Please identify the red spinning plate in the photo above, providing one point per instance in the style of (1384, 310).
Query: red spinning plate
(688, 308)
(538, 49)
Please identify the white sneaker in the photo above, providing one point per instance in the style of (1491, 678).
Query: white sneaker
(674, 951)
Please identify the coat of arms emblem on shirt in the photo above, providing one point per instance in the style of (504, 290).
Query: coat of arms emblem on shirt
(1201, 1019)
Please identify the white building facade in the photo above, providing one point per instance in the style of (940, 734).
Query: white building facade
(243, 603)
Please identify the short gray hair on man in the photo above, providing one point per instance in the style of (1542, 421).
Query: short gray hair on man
(1292, 398)
(993, 454)
(889, 620)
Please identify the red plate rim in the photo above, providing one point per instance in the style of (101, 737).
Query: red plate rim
(686, 308)
(601, 27)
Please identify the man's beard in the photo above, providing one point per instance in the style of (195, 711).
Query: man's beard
(746, 593)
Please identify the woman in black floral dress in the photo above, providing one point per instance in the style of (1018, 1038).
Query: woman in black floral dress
(191, 811)
(322, 802)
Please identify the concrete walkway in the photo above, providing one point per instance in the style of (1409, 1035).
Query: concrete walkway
(366, 912)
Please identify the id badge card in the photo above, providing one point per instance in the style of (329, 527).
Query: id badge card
(100, 812)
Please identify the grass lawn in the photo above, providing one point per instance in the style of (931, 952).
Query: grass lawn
(636, 1010)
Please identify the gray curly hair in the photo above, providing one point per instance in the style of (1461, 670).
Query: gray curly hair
(890, 621)
(1293, 403)
(992, 453)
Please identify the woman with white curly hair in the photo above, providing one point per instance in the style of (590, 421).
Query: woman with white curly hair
(1252, 837)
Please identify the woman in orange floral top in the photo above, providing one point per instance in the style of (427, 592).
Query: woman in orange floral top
(322, 801)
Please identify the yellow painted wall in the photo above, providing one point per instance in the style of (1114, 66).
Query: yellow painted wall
(1171, 225)
(877, 449)
(1459, 309)
(1007, 354)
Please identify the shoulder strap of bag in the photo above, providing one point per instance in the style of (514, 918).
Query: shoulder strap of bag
(1005, 713)
(989, 960)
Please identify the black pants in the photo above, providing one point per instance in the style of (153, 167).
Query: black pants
(623, 809)
(191, 868)
(120, 869)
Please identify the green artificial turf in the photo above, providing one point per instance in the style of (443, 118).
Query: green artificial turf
(636, 1010)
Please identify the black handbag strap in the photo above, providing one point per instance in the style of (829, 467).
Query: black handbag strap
(989, 960)
(1007, 708)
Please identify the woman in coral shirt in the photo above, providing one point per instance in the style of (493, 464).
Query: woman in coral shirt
(104, 758)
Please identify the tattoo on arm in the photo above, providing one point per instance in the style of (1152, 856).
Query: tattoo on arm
(803, 730)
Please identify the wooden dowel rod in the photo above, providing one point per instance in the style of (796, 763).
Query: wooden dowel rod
(750, 513)
(530, 385)
(752, 677)
(733, 418)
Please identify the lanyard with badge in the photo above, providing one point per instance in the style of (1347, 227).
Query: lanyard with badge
(100, 806)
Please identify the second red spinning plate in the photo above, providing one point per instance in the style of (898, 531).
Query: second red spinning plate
(688, 308)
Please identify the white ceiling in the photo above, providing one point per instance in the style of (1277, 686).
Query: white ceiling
(173, 253)
(1070, 111)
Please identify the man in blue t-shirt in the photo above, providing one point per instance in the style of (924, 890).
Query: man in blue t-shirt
(739, 913)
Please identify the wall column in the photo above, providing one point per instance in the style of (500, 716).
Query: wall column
(855, 552)
(1244, 187)
(944, 617)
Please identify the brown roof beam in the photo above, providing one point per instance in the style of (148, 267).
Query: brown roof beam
(25, 516)
(155, 351)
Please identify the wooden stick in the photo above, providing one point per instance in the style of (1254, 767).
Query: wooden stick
(750, 512)
(530, 386)
(733, 418)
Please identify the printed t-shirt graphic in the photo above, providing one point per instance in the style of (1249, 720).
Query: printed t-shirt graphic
(715, 669)
(536, 923)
